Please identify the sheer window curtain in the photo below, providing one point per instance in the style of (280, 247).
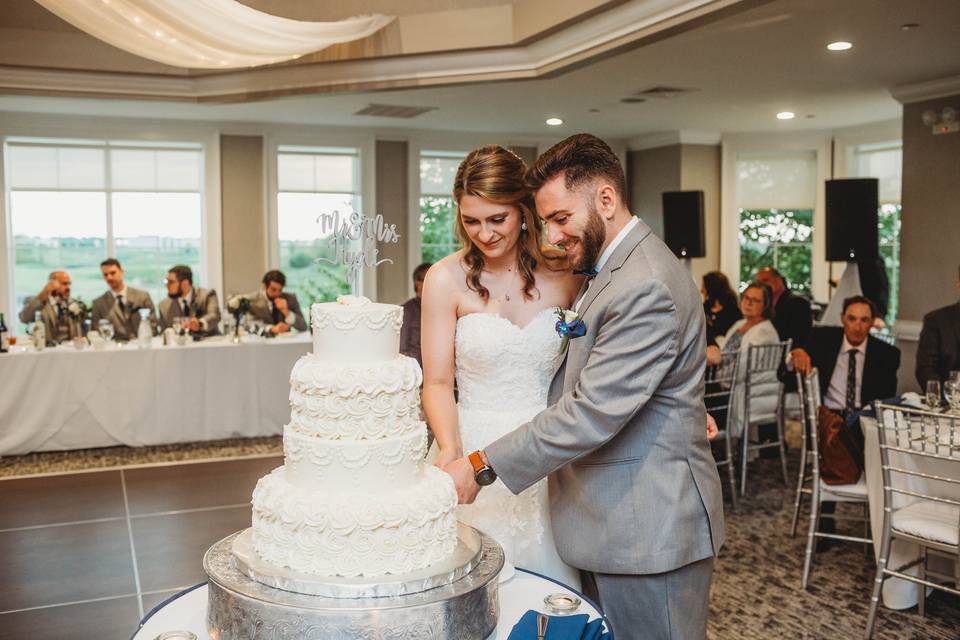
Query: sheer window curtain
(217, 34)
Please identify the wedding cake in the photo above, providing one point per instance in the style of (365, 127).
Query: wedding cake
(355, 497)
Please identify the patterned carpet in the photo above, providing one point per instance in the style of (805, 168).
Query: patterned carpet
(756, 590)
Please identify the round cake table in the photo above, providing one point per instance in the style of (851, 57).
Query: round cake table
(187, 610)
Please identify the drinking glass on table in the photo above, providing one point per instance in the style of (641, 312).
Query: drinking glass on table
(933, 394)
(105, 328)
(952, 390)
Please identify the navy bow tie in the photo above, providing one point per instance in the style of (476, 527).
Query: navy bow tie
(590, 273)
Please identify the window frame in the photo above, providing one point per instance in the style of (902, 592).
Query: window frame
(126, 133)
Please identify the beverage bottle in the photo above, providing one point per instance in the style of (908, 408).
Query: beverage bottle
(144, 334)
(39, 332)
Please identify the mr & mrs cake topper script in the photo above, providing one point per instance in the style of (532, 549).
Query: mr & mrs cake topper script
(354, 240)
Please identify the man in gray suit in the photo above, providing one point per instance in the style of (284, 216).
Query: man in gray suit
(121, 304)
(199, 306)
(52, 303)
(276, 308)
(635, 498)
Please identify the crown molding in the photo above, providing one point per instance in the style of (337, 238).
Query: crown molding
(928, 90)
(668, 138)
(626, 25)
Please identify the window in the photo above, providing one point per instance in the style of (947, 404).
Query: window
(312, 181)
(776, 193)
(438, 210)
(74, 203)
(884, 161)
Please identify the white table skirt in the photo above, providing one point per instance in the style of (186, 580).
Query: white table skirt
(524, 591)
(62, 398)
(897, 593)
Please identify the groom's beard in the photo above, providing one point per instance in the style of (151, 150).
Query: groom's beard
(591, 241)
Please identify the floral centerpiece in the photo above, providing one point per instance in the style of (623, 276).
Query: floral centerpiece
(77, 312)
(238, 306)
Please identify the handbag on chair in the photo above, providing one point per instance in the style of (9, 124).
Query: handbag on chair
(841, 452)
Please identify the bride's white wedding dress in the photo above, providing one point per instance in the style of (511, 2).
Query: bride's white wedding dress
(503, 376)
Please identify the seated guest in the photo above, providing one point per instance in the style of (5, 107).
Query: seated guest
(855, 369)
(719, 305)
(938, 352)
(199, 307)
(121, 304)
(410, 331)
(52, 303)
(277, 309)
(831, 350)
(756, 304)
(792, 318)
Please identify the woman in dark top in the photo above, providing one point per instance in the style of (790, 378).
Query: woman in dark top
(720, 304)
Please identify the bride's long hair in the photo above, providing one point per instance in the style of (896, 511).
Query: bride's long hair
(497, 174)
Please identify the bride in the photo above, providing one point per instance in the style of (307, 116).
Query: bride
(488, 324)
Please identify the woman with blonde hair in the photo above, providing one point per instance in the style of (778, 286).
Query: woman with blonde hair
(488, 325)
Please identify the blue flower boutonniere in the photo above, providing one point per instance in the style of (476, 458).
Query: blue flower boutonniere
(569, 326)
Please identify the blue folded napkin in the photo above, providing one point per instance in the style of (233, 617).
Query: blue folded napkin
(578, 627)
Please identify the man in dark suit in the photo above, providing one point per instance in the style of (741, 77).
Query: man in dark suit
(873, 376)
(279, 310)
(939, 350)
(791, 313)
(855, 369)
(410, 330)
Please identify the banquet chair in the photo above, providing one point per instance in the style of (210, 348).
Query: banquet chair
(809, 389)
(760, 379)
(911, 442)
(721, 385)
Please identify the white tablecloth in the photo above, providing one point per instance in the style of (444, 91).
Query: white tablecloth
(61, 398)
(900, 594)
(525, 591)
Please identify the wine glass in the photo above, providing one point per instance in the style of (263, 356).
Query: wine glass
(933, 394)
(105, 328)
(952, 391)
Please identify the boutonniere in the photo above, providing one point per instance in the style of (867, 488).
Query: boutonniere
(569, 325)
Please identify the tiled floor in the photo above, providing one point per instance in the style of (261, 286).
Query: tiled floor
(85, 555)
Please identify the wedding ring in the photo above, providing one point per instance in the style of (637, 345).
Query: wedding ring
(561, 603)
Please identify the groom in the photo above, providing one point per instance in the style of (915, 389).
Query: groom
(635, 498)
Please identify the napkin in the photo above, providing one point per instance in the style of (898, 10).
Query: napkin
(578, 627)
(912, 399)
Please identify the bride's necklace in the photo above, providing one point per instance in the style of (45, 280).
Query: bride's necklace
(510, 285)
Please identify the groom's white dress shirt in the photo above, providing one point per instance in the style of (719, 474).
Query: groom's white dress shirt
(606, 255)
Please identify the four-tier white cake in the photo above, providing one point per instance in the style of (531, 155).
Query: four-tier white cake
(355, 497)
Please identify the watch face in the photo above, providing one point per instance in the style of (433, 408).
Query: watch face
(486, 476)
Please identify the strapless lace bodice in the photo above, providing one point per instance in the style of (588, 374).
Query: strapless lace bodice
(503, 367)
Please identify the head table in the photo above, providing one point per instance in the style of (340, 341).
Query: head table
(64, 398)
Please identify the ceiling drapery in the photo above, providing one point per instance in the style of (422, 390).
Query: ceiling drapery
(209, 34)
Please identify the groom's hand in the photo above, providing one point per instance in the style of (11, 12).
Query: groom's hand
(462, 473)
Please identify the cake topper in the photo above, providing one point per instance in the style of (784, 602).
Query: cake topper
(354, 240)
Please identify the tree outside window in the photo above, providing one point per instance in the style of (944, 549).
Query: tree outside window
(437, 208)
(778, 238)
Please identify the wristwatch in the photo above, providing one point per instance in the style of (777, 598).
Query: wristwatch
(482, 472)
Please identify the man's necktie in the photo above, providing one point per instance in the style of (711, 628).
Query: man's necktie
(60, 310)
(851, 400)
(123, 311)
(277, 316)
(186, 309)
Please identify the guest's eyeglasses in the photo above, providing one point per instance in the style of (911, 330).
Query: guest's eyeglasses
(753, 300)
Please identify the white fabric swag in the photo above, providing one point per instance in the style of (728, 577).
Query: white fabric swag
(217, 34)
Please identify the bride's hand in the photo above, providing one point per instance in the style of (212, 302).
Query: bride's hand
(446, 456)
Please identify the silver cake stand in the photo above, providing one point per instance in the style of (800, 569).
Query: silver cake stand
(250, 600)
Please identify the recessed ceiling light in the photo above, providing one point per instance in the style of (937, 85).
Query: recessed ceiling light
(785, 115)
(840, 45)
(554, 122)
(910, 26)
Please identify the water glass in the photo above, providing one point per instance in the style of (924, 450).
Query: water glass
(952, 391)
(105, 328)
(933, 394)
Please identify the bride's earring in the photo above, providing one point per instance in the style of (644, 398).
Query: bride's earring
(523, 226)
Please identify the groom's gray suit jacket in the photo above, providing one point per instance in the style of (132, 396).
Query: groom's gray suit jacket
(633, 486)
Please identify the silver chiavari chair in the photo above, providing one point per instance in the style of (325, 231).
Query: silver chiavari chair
(808, 387)
(760, 379)
(920, 458)
(721, 385)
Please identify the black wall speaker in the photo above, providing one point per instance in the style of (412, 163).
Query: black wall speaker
(852, 219)
(683, 223)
